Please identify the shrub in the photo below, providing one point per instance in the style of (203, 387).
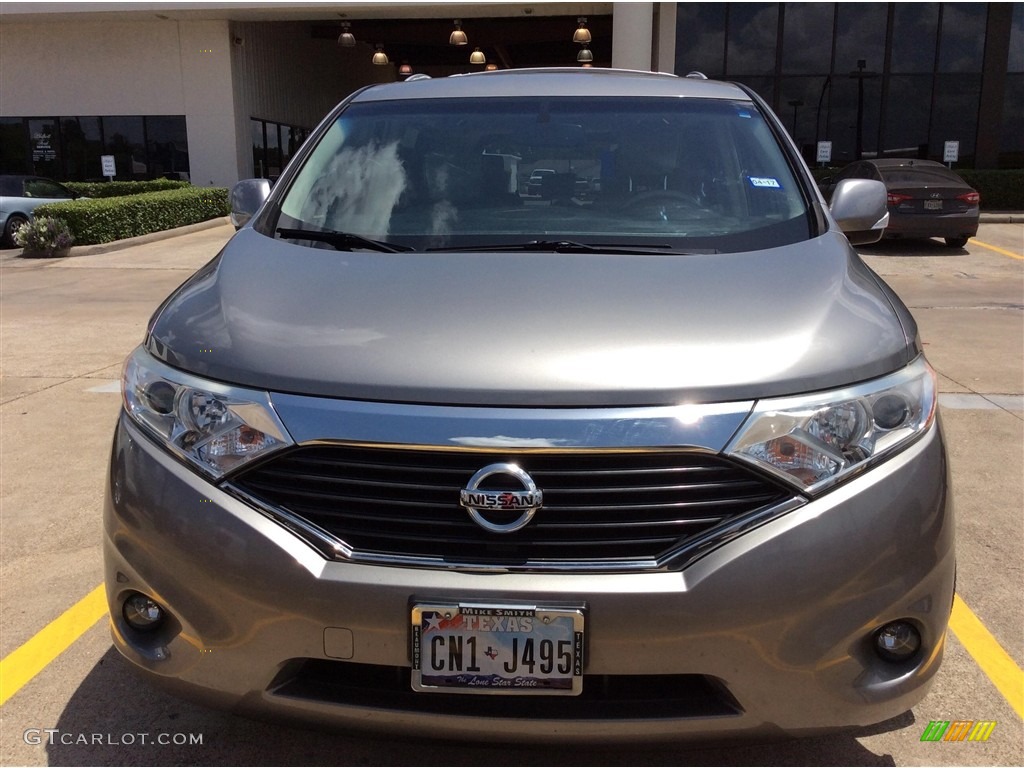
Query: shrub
(121, 188)
(999, 190)
(116, 218)
(44, 234)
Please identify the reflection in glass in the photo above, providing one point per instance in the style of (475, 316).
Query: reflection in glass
(907, 110)
(962, 40)
(126, 141)
(1016, 62)
(13, 145)
(843, 118)
(168, 147)
(259, 146)
(753, 33)
(700, 38)
(44, 145)
(83, 146)
(807, 38)
(860, 34)
(955, 116)
(1011, 153)
(914, 34)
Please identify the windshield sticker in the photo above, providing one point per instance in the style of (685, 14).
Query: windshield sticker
(763, 182)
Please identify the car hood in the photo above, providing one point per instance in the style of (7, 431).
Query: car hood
(538, 329)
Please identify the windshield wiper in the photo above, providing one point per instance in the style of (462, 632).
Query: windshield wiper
(342, 241)
(571, 246)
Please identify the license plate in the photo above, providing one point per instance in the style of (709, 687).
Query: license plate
(933, 205)
(497, 649)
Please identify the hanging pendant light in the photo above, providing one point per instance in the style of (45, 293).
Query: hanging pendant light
(380, 57)
(477, 57)
(582, 34)
(346, 39)
(458, 37)
(584, 56)
(405, 70)
(491, 66)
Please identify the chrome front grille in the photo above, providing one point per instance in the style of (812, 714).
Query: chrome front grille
(602, 510)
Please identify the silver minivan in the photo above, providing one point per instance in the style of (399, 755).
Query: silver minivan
(654, 457)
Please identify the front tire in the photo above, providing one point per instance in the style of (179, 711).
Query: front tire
(956, 242)
(14, 221)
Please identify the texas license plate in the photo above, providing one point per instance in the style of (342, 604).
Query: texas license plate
(497, 649)
(933, 205)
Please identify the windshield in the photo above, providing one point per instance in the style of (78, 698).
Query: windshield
(670, 173)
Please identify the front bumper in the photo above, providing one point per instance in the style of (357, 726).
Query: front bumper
(769, 633)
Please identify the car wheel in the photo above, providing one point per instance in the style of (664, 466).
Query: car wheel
(14, 221)
(956, 242)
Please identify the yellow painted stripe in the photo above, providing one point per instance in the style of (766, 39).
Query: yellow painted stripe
(24, 663)
(989, 654)
(997, 249)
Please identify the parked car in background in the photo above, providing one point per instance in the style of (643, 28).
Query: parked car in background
(926, 199)
(20, 195)
(418, 454)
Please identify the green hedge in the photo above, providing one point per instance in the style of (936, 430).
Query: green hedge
(121, 188)
(116, 218)
(1000, 190)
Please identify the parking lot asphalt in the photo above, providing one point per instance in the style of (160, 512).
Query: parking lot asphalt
(67, 698)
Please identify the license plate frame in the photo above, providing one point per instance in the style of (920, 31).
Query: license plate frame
(501, 648)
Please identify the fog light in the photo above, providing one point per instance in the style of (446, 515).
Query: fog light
(897, 641)
(142, 613)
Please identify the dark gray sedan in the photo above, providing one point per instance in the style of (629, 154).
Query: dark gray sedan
(422, 453)
(926, 199)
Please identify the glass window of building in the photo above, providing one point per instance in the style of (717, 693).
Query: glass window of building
(167, 142)
(807, 38)
(752, 38)
(1016, 60)
(44, 146)
(125, 139)
(13, 145)
(908, 108)
(700, 38)
(860, 35)
(962, 39)
(83, 146)
(915, 31)
(955, 114)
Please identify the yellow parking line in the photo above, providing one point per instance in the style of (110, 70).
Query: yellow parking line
(989, 655)
(997, 249)
(24, 663)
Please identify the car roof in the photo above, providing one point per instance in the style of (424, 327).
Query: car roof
(574, 81)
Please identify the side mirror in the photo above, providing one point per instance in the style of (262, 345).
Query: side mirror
(246, 198)
(859, 207)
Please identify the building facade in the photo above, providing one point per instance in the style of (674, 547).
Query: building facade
(216, 92)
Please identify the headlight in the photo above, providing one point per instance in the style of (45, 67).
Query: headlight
(214, 427)
(816, 440)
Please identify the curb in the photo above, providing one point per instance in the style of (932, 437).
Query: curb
(1002, 217)
(152, 237)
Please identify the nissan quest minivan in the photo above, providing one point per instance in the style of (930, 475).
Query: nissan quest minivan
(651, 455)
